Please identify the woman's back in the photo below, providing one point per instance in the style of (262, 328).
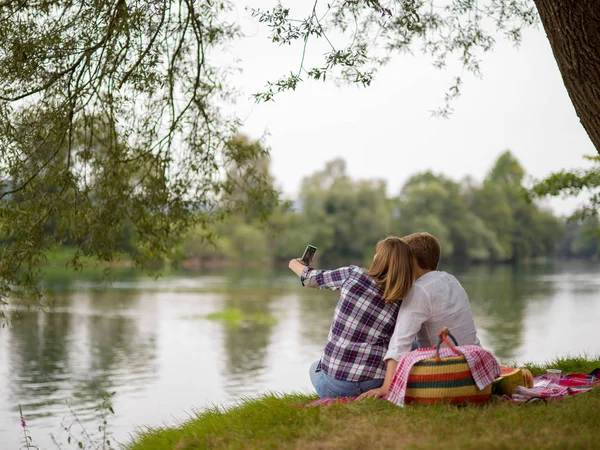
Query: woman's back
(361, 327)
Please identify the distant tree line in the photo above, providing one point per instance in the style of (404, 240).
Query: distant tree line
(492, 221)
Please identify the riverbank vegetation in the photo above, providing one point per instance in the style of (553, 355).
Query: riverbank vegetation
(272, 421)
(492, 221)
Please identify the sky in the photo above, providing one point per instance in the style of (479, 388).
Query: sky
(386, 131)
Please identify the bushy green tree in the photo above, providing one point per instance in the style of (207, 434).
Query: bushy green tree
(287, 233)
(522, 228)
(438, 205)
(243, 236)
(345, 218)
(116, 106)
(492, 221)
(491, 204)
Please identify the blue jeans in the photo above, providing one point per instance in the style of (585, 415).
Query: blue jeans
(327, 386)
(415, 345)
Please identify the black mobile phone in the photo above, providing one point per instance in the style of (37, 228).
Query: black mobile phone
(308, 254)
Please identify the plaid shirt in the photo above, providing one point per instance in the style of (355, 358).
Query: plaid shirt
(362, 324)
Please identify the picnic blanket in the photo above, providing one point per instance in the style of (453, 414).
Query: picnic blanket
(570, 385)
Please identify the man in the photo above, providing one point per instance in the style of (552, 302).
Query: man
(435, 300)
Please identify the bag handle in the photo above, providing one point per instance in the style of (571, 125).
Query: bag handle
(443, 337)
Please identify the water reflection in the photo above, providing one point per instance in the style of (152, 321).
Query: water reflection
(246, 345)
(91, 343)
(39, 358)
(499, 297)
(316, 309)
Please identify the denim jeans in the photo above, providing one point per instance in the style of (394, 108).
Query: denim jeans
(415, 345)
(327, 386)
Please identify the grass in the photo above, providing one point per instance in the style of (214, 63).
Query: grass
(273, 422)
(62, 256)
(235, 317)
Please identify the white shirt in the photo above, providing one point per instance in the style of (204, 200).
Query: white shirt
(435, 300)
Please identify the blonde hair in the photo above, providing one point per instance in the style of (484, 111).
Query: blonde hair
(392, 268)
(425, 248)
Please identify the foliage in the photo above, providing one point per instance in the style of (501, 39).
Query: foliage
(111, 131)
(582, 237)
(27, 439)
(249, 184)
(343, 217)
(522, 228)
(287, 232)
(490, 221)
(76, 434)
(368, 33)
(273, 422)
(490, 202)
(430, 202)
(569, 184)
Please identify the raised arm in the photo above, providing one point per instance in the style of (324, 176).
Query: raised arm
(321, 279)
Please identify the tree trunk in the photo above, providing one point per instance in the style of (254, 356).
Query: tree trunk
(573, 29)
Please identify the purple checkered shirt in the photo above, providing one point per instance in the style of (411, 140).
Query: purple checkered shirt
(362, 324)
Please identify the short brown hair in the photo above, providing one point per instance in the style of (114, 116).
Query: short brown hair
(425, 248)
(393, 268)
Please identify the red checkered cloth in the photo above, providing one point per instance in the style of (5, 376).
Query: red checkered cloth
(482, 364)
(569, 386)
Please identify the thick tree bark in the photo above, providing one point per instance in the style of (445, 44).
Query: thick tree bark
(573, 29)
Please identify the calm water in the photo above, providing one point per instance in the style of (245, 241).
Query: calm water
(148, 341)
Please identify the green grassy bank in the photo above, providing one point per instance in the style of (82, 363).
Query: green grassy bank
(273, 422)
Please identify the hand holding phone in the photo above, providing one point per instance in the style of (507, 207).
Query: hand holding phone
(309, 252)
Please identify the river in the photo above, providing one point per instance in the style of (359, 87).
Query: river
(149, 341)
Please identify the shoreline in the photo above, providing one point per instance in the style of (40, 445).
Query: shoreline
(272, 421)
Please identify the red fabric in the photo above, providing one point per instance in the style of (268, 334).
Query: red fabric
(483, 365)
(570, 385)
(578, 379)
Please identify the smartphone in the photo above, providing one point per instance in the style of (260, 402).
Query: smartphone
(308, 254)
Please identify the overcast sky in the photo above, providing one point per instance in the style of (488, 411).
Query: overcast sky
(386, 130)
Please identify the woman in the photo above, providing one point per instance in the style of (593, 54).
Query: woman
(364, 318)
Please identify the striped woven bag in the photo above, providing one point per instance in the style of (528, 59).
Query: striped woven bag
(444, 380)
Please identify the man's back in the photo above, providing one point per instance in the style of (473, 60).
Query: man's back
(450, 308)
(436, 300)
